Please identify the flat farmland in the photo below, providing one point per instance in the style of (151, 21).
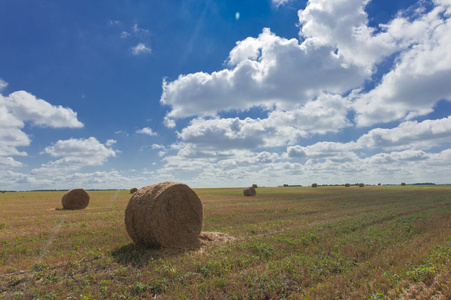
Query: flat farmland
(375, 242)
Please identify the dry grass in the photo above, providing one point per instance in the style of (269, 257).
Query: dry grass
(374, 243)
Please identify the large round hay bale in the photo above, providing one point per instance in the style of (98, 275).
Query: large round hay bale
(347, 184)
(314, 185)
(379, 184)
(403, 183)
(75, 199)
(361, 184)
(254, 186)
(166, 214)
(133, 190)
(249, 192)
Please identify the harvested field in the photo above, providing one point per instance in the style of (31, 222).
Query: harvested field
(325, 243)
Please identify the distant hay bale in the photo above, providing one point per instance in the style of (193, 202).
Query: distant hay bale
(356, 184)
(254, 186)
(166, 214)
(379, 184)
(403, 183)
(361, 184)
(347, 184)
(75, 199)
(133, 190)
(249, 192)
(314, 185)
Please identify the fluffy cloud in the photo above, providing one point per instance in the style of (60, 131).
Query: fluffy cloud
(412, 134)
(215, 137)
(266, 71)
(343, 25)
(147, 130)
(338, 52)
(75, 153)
(324, 82)
(26, 107)
(320, 150)
(9, 162)
(20, 107)
(421, 75)
(10, 178)
(327, 114)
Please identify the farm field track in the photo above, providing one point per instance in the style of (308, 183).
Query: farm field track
(376, 242)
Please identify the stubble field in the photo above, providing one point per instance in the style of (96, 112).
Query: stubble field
(376, 242)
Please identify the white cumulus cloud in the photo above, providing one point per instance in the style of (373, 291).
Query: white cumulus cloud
(75, 154)
(21, 107)
(420, 77)
(266, 71)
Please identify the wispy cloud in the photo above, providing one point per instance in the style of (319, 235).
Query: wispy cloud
(278, 3)
(141, 49)
(3, 84)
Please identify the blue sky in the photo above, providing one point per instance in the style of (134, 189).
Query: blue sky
(121, 94)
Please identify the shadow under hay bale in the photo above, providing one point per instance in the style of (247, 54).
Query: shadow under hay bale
(136, 255)
(75, 199)
(133, 190)
(249, 192)
(166, 214)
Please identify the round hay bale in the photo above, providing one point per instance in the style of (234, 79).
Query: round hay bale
(166, 214)
(314, 185)
(133, 190)
(75, 199)
(361, 184)
(403, 183)
(347, 184)
(249, 192)
(379, 184)
(254, 186)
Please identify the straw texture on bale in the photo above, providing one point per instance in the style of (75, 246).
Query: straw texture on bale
(347, 185)
(75, 199)
(361, 184)
(133, 190)
(250, 191)
(166, 214)
(314, 185)
(254, 186)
